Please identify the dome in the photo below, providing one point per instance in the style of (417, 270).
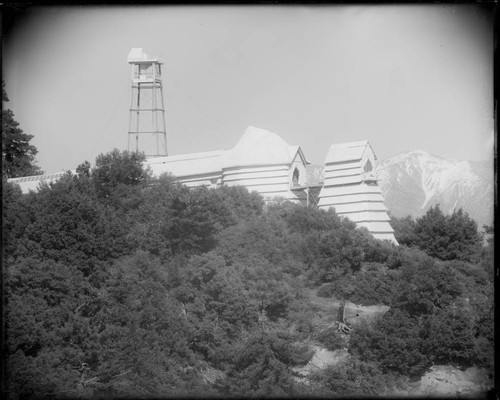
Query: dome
(259, 147)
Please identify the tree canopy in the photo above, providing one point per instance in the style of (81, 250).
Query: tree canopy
(120, 285)
(18, 154)
(447, 237)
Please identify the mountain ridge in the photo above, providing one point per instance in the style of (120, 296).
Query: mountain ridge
(414, 181)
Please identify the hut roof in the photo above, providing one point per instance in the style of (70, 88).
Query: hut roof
(352, 151)
(137, 55)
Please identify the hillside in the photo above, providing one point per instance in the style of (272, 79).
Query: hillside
(415, 181)
(118, 285)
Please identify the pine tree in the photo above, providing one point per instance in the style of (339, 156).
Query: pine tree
(448, 237)
(18, 155)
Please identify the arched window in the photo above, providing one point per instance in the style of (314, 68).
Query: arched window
(368, 166)
(295, 177)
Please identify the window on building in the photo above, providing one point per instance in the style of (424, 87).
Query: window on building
(295, 177)
(368, 166)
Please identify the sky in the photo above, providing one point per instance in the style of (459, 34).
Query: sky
(403, 77)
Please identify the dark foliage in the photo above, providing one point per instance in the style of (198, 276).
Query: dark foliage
(375, 284)
(261, 367)
(69, 224)
(18, 155)
(15, 217)
(118, 170)
(121, 286)
(352, 378)
(447, 237)
(404, 230)
(331, 339)
(441, 313)
(393, 342)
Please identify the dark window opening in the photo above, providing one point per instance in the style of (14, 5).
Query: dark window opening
(295, 177)
(368, 166)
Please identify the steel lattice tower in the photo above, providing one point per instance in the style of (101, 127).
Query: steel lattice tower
(147, 110)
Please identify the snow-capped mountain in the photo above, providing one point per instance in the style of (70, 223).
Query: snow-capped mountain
(415, 181)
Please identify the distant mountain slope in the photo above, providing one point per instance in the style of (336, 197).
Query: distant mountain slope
(415, 181)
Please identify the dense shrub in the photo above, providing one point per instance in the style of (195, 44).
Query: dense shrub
(374, 285)
(393, 342)
(260, 368)
(448, 337)
(118, 169)
(327, 290)
(15, 217)
(447, 237)
(426, 287)
(433, 319)
(344, 380)
(331, 338)
(404, 230)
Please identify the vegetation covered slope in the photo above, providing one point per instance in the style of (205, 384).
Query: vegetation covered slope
(117, 285)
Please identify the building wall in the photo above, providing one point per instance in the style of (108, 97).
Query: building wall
(270, 181)
(348, 192)
(212, 180)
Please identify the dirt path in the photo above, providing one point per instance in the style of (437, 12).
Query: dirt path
(322, 358)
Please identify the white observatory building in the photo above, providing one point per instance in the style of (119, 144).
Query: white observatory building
(261, 161)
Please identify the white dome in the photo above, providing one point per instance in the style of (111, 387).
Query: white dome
(259, 147)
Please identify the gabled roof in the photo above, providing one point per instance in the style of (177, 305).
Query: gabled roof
(188, 164)
(260, 147)
(296, 149)
(352, 151)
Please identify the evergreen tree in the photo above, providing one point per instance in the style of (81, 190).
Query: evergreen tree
(448, 237)
(18, 155)
(404, 230)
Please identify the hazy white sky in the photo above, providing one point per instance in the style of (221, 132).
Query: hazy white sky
(404, 77)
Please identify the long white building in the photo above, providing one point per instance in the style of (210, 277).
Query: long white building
(263, 162)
